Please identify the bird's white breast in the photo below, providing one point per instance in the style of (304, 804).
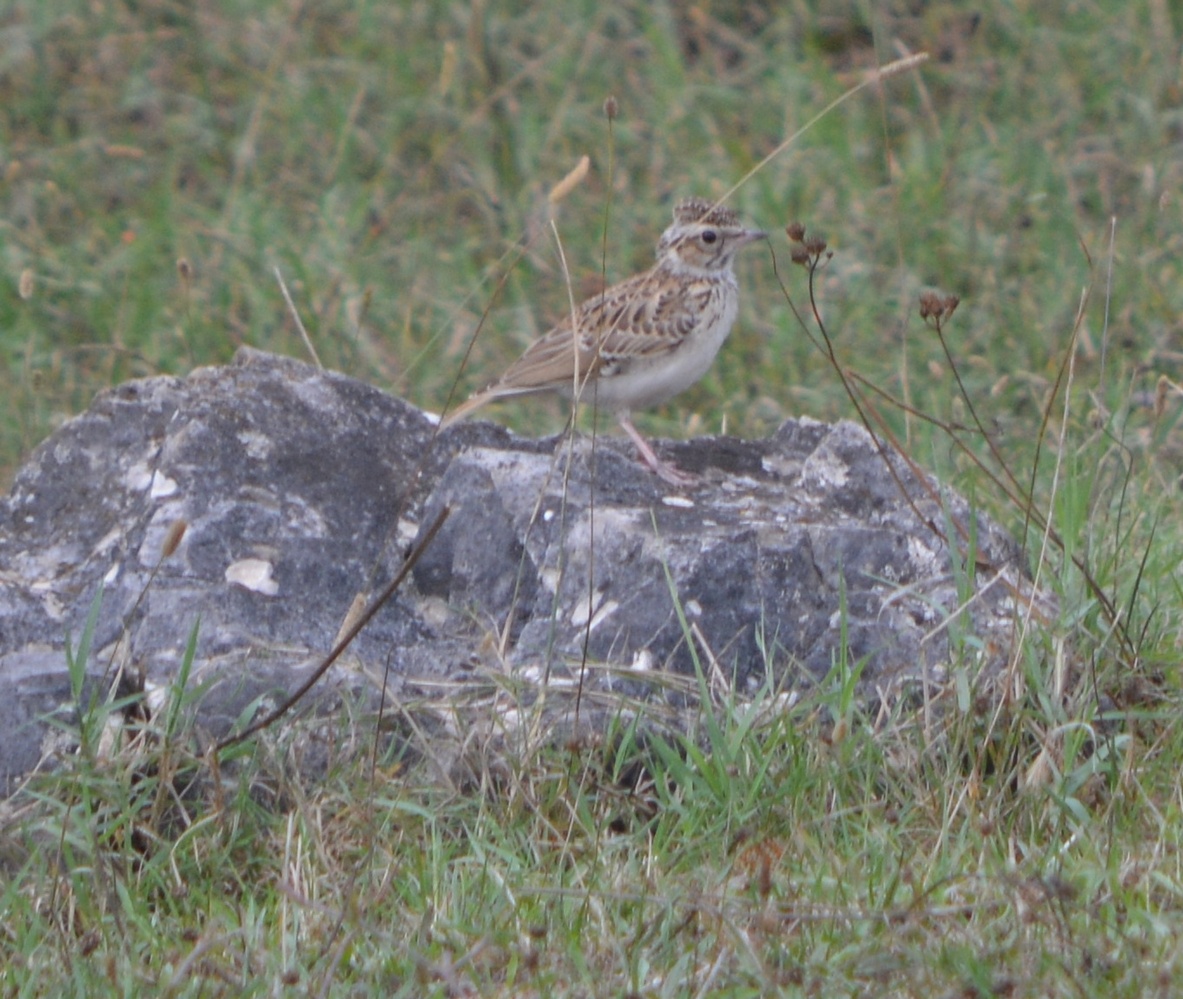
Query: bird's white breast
(645, 382)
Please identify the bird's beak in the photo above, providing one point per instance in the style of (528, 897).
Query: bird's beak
(751, 235)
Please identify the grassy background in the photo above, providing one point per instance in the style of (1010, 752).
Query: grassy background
(159, 159)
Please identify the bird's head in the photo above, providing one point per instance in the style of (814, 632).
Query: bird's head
(704, 236)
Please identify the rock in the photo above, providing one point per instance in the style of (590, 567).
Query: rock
(300, 489)
(799, 555)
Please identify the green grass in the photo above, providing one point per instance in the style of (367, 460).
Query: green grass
(393, 161)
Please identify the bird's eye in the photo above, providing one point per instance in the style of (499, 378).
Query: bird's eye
(709, 236)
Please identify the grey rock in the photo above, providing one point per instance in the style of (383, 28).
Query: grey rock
(799, 555)
(301, 489)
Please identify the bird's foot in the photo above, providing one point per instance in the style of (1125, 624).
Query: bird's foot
(662, 469)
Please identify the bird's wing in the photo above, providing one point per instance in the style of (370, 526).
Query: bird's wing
(633, 320)
(638, 320)
(642, 325)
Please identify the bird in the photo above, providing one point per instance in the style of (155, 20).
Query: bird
(642, 341)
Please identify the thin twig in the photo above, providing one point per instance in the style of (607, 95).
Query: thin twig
(296, 317)
(362, 620)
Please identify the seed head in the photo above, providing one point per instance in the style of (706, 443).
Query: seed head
(172, 539)
(815, 246)
(936, 309)
(799, 255)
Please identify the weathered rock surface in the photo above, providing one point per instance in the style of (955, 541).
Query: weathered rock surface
(301, 489)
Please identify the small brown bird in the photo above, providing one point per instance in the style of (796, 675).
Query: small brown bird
(646, 339)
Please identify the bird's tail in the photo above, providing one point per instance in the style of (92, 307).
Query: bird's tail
(466, 408)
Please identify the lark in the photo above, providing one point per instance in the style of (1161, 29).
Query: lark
(644, 340)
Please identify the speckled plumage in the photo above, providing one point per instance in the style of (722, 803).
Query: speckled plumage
(647, 338)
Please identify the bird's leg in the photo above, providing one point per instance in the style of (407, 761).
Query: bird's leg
(667, 472)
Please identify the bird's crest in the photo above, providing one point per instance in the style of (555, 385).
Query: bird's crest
(700, 211)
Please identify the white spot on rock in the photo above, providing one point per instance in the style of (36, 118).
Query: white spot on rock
(408, 530)
(827, 469)
(155, 697)
(53, 607)
(257, 446)
(162, 486)
(643, 661)
(139, 477)
(603, 614)
(592, 608)
(253, 574)
(920, 554)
